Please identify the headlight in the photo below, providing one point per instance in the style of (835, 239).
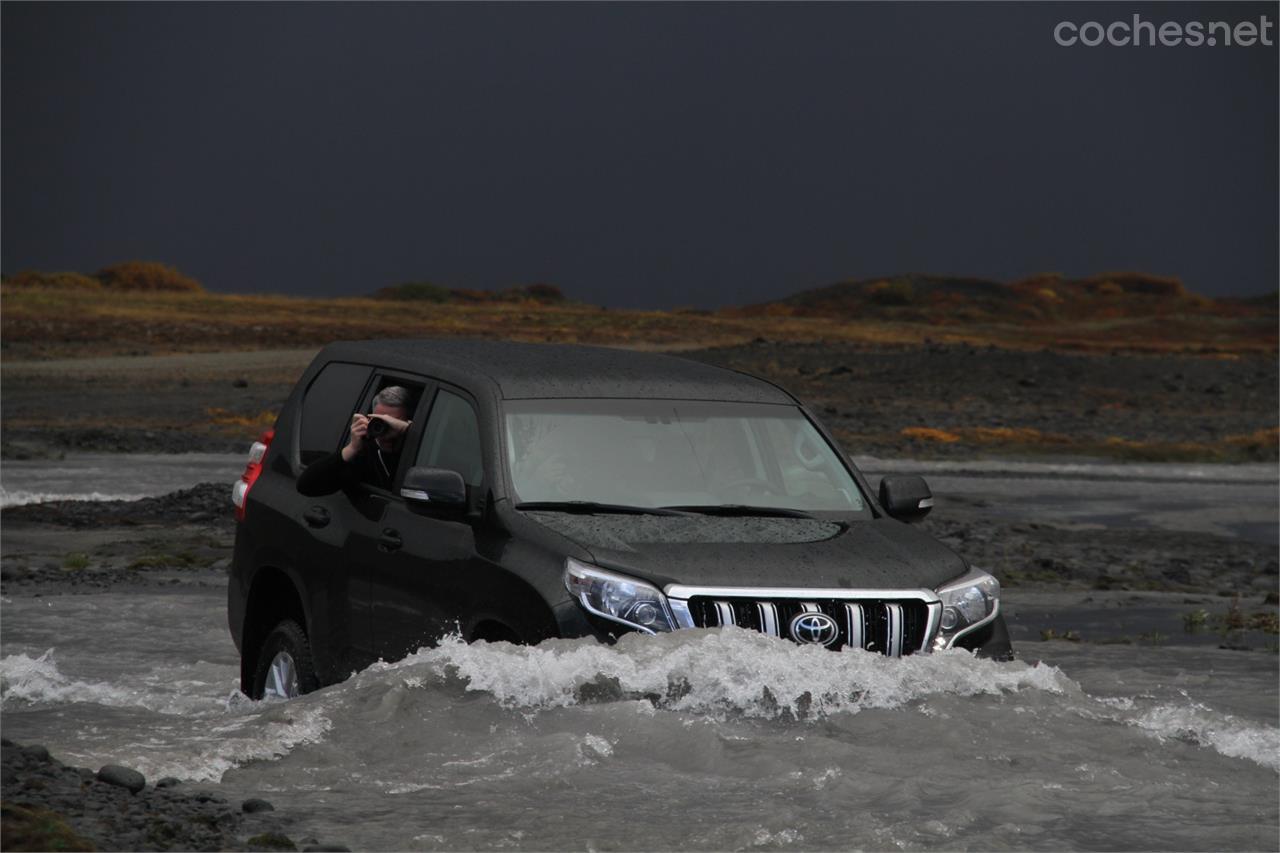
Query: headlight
(618, 598)
(968, 602)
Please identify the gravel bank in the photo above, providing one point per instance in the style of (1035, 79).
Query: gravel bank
(51, 806)
(1172, 406)
(1077, 403)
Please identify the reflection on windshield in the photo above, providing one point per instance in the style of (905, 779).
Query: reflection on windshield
(655, 453)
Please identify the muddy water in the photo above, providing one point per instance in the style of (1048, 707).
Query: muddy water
(706, 739)
(703, 740)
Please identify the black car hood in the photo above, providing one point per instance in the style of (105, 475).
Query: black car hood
(756, 551)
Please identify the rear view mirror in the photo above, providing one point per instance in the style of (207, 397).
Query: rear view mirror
(906, 498)
(436, 488)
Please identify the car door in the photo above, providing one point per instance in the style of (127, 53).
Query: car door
(420, 563)
(338, 599)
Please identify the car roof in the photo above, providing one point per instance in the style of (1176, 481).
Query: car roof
(544, 371)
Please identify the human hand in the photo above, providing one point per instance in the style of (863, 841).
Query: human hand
(359, 429)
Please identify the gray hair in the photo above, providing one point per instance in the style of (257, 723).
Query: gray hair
(392, 395)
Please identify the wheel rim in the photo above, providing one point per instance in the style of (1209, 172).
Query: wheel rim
(282, 678)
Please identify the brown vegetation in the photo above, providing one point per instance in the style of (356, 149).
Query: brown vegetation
(147, 307)
(130, 275)
(1045, 299)
(1260, 445)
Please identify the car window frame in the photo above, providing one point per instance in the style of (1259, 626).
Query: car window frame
(417, 416)
(296, 449)
(470, 399)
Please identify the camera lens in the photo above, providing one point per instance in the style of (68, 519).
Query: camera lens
(377, 427)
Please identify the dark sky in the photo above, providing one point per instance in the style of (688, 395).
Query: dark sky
(635, 155)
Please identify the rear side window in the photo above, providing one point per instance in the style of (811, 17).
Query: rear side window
(327, 408)
(452, 439)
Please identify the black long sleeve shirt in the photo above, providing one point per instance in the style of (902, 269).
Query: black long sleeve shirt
(371, 466)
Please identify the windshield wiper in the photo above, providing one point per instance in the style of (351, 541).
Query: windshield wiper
(592, 507)
(741, 510)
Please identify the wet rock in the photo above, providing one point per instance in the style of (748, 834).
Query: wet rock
(254, 805)
(326, 848)
(35, 753)
(124, 777)
(271, 841)
(240, 383)
(168, 782)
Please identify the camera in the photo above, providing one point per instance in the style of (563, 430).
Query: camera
(378, 427)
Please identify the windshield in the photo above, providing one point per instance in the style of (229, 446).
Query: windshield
(674, 453)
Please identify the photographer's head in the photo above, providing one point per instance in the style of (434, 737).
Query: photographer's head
(392, 402)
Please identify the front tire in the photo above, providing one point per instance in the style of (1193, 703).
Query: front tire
(285, 667)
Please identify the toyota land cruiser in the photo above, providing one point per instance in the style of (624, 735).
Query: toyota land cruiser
(569, 491)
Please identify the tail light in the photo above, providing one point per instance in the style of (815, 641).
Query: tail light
(240, 491)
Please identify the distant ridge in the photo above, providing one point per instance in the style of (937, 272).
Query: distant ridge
(1048, 297)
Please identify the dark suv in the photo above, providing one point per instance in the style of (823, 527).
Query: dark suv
(568, 491)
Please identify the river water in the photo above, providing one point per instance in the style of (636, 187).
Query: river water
(701, 740)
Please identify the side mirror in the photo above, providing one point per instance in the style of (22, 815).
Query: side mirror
(434, 488)
(906, 498)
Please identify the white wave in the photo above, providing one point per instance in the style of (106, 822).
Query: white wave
(198, 737)
(1194, 723)
(724, 671)
(22, 497)
(28, 680)
(38, 681)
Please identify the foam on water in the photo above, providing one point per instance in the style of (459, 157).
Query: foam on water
(736, 673)
(1195, 723)
(723, 671)
(21, 497)
(27, 680)
(38, 681)
(201, 731)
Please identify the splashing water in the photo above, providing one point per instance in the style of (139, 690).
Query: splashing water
(704, 739)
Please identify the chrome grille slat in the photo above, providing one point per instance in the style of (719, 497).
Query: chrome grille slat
(768, 618)
(855, 630)
(893, 618)
(724, 612)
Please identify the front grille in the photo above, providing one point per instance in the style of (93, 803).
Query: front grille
(892, 627)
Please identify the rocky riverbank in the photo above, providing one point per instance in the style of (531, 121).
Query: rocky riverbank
(48, 805)
(958, 400)
(185, 539)
(933, 400)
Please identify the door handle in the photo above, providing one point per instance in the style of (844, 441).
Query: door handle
(389, 540)
(316, 516)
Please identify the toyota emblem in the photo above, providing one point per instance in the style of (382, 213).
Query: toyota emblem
(816, 628)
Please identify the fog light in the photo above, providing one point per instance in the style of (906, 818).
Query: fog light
(645, 613)
(950, 618)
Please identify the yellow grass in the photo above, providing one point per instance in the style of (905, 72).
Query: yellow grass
(1261, 444)
(224, 418)
(38, 322)
(930, 434)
